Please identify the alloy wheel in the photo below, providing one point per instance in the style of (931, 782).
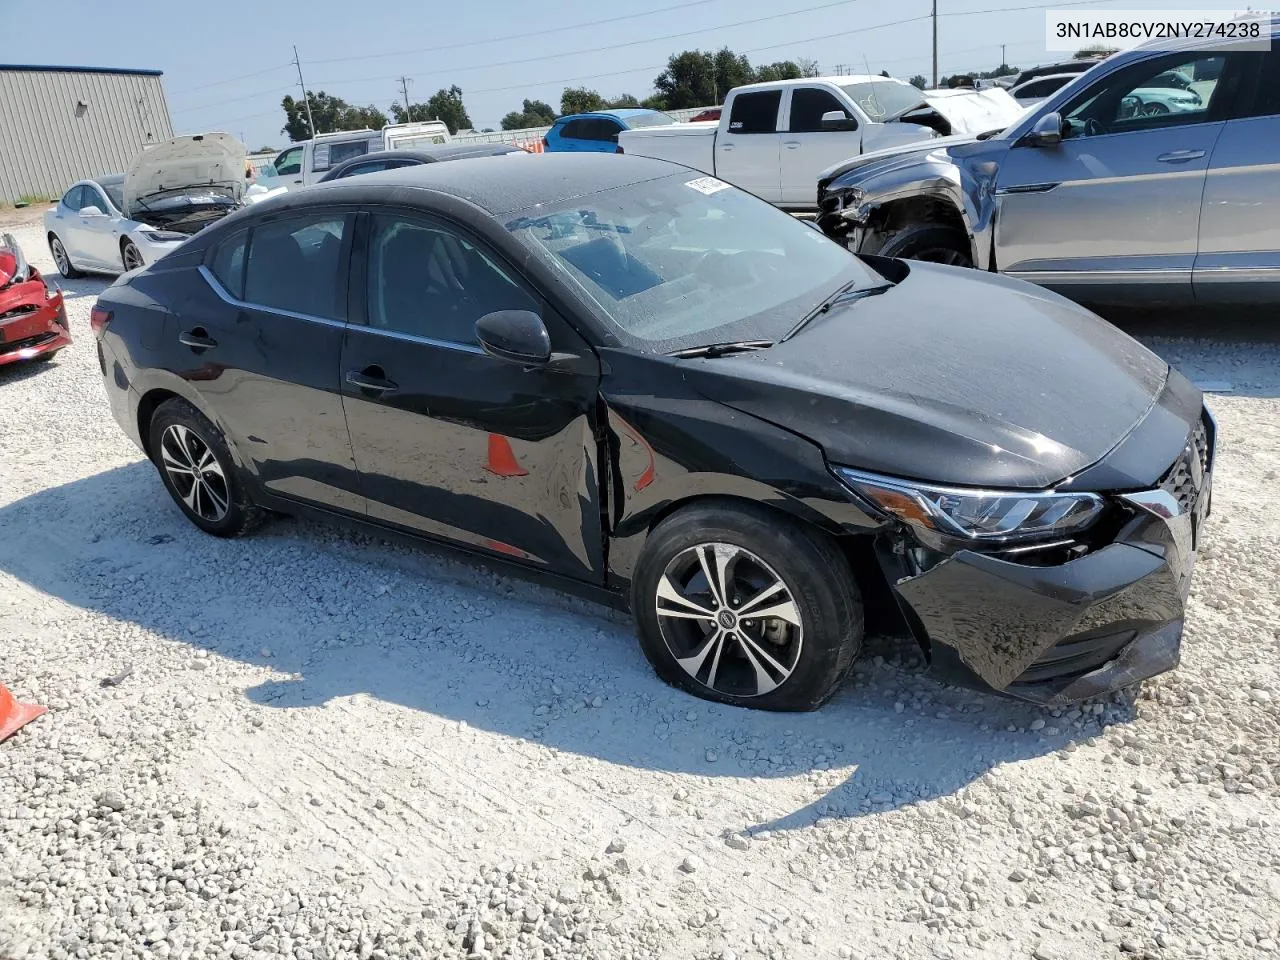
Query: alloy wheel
(60, 257)
(195, 473)
(132, 257)
(729, 620)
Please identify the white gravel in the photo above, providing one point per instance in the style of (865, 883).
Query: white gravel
(316, 745)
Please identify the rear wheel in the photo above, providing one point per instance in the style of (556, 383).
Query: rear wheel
(61, 258)
(930, 242)
(198, 471)
(738, 605)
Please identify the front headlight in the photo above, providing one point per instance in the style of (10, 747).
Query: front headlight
(164, 236)
(997, 516)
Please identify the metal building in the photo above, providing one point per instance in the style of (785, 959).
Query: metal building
(62, 124)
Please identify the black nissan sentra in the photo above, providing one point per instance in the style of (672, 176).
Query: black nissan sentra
(647, 384)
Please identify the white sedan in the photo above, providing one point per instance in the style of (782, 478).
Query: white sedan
(129, 220)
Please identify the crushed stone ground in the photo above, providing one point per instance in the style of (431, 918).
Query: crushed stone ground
(318, 745)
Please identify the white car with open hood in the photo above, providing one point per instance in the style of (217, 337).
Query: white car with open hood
(128, 220)
(773, 139)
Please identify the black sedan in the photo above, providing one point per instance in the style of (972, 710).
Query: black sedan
(646, 384)
(393, 159)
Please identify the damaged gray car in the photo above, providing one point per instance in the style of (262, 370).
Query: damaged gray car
(1114, 189)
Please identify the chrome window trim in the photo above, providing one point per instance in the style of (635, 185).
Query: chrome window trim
(225, 295)
(414, 338)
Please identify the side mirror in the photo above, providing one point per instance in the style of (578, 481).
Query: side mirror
(518, 336)
(91, 212)
(838, 120)
(1047, 132)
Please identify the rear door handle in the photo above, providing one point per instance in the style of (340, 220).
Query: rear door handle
(791, 144)
(1180, 156)
(197, 339)
(372, 379)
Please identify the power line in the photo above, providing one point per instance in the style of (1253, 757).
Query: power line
(619, 46)
(521, 36)
(243, 76)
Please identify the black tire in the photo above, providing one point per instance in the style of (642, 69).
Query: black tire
(930, 242)
(63, 261)
(812, 570)
(240, 513)
(130, 255)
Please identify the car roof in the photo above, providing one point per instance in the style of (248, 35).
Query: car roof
(620, 114)
(497, 185)
(809, 81)
(443, 151)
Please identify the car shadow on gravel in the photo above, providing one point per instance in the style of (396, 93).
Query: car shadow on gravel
(338, 614)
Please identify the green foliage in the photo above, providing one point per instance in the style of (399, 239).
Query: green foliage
(919, 81)
(580, 100)
(444, 105)
(1095, 50)
(330, 114)
(533, 113)
(700, 78)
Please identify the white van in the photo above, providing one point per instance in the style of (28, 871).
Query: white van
(305, 163)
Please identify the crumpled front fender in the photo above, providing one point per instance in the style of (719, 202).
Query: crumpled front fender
(854, 199)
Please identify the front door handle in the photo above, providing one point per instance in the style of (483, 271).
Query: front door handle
(1180, 156)
(372, 379)
(197, 339)
(791, 144)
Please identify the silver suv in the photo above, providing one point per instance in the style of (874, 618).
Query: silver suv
(1154, 176)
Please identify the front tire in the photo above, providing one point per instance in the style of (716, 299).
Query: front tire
(199, 472)
(130, 256)
(738, 605)
(929, 242)
(62, 259)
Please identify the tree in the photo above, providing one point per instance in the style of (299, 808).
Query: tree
(688, 81)
(808, 68)
(444, 105)
(533, 113)
(580, 100)
(782, 70)
(624, 100)
(330, 114)
(266, 150)
(1092, 51)
(918, 81)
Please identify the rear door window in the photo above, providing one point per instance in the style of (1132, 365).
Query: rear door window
(755, 112)
(297, 265)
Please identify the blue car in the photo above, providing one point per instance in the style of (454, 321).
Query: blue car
(598, 132)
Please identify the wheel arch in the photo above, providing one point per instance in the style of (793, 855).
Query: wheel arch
(162, 386)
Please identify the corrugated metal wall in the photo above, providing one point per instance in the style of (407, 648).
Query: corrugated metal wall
(48, 140)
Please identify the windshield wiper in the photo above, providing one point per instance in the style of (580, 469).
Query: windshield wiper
(847, 292)
(721, 349)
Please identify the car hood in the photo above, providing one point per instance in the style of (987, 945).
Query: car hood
(971, 112)
(198, 165)
(891, 158)
(952, 376)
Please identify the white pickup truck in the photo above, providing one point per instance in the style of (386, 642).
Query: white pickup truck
(306, 163)
(773, 139)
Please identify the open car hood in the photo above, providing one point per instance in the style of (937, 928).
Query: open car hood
(971, 112)
(198, 165)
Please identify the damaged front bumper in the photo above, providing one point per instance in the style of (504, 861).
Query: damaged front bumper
(1060, 633)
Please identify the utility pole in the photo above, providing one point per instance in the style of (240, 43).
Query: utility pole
(404, 86)
(1003, 61)
(935, 44)
(305, 99)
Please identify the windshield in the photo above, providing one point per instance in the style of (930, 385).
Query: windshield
(114, 186)
(883, 98)
(655, 119)
(686, 261)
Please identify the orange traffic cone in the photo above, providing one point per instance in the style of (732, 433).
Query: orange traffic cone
(502, 460)
(14, 715)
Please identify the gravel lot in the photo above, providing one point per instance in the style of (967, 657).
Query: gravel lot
(313, 744)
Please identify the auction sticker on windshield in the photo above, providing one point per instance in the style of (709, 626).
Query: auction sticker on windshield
(707, 185)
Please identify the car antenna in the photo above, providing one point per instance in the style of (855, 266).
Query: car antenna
(874, 98)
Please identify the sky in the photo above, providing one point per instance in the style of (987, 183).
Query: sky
(231, 76)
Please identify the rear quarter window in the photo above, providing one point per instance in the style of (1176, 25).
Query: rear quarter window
(227, 263)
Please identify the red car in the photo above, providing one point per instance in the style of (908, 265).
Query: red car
(712, 114)
(33, 319)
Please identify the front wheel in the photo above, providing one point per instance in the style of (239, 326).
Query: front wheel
(131, 256)
(738, 605)
(930, 242)
(198, 471)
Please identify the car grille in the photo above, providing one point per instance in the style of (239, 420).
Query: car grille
(16, 345)
(1186, 477)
